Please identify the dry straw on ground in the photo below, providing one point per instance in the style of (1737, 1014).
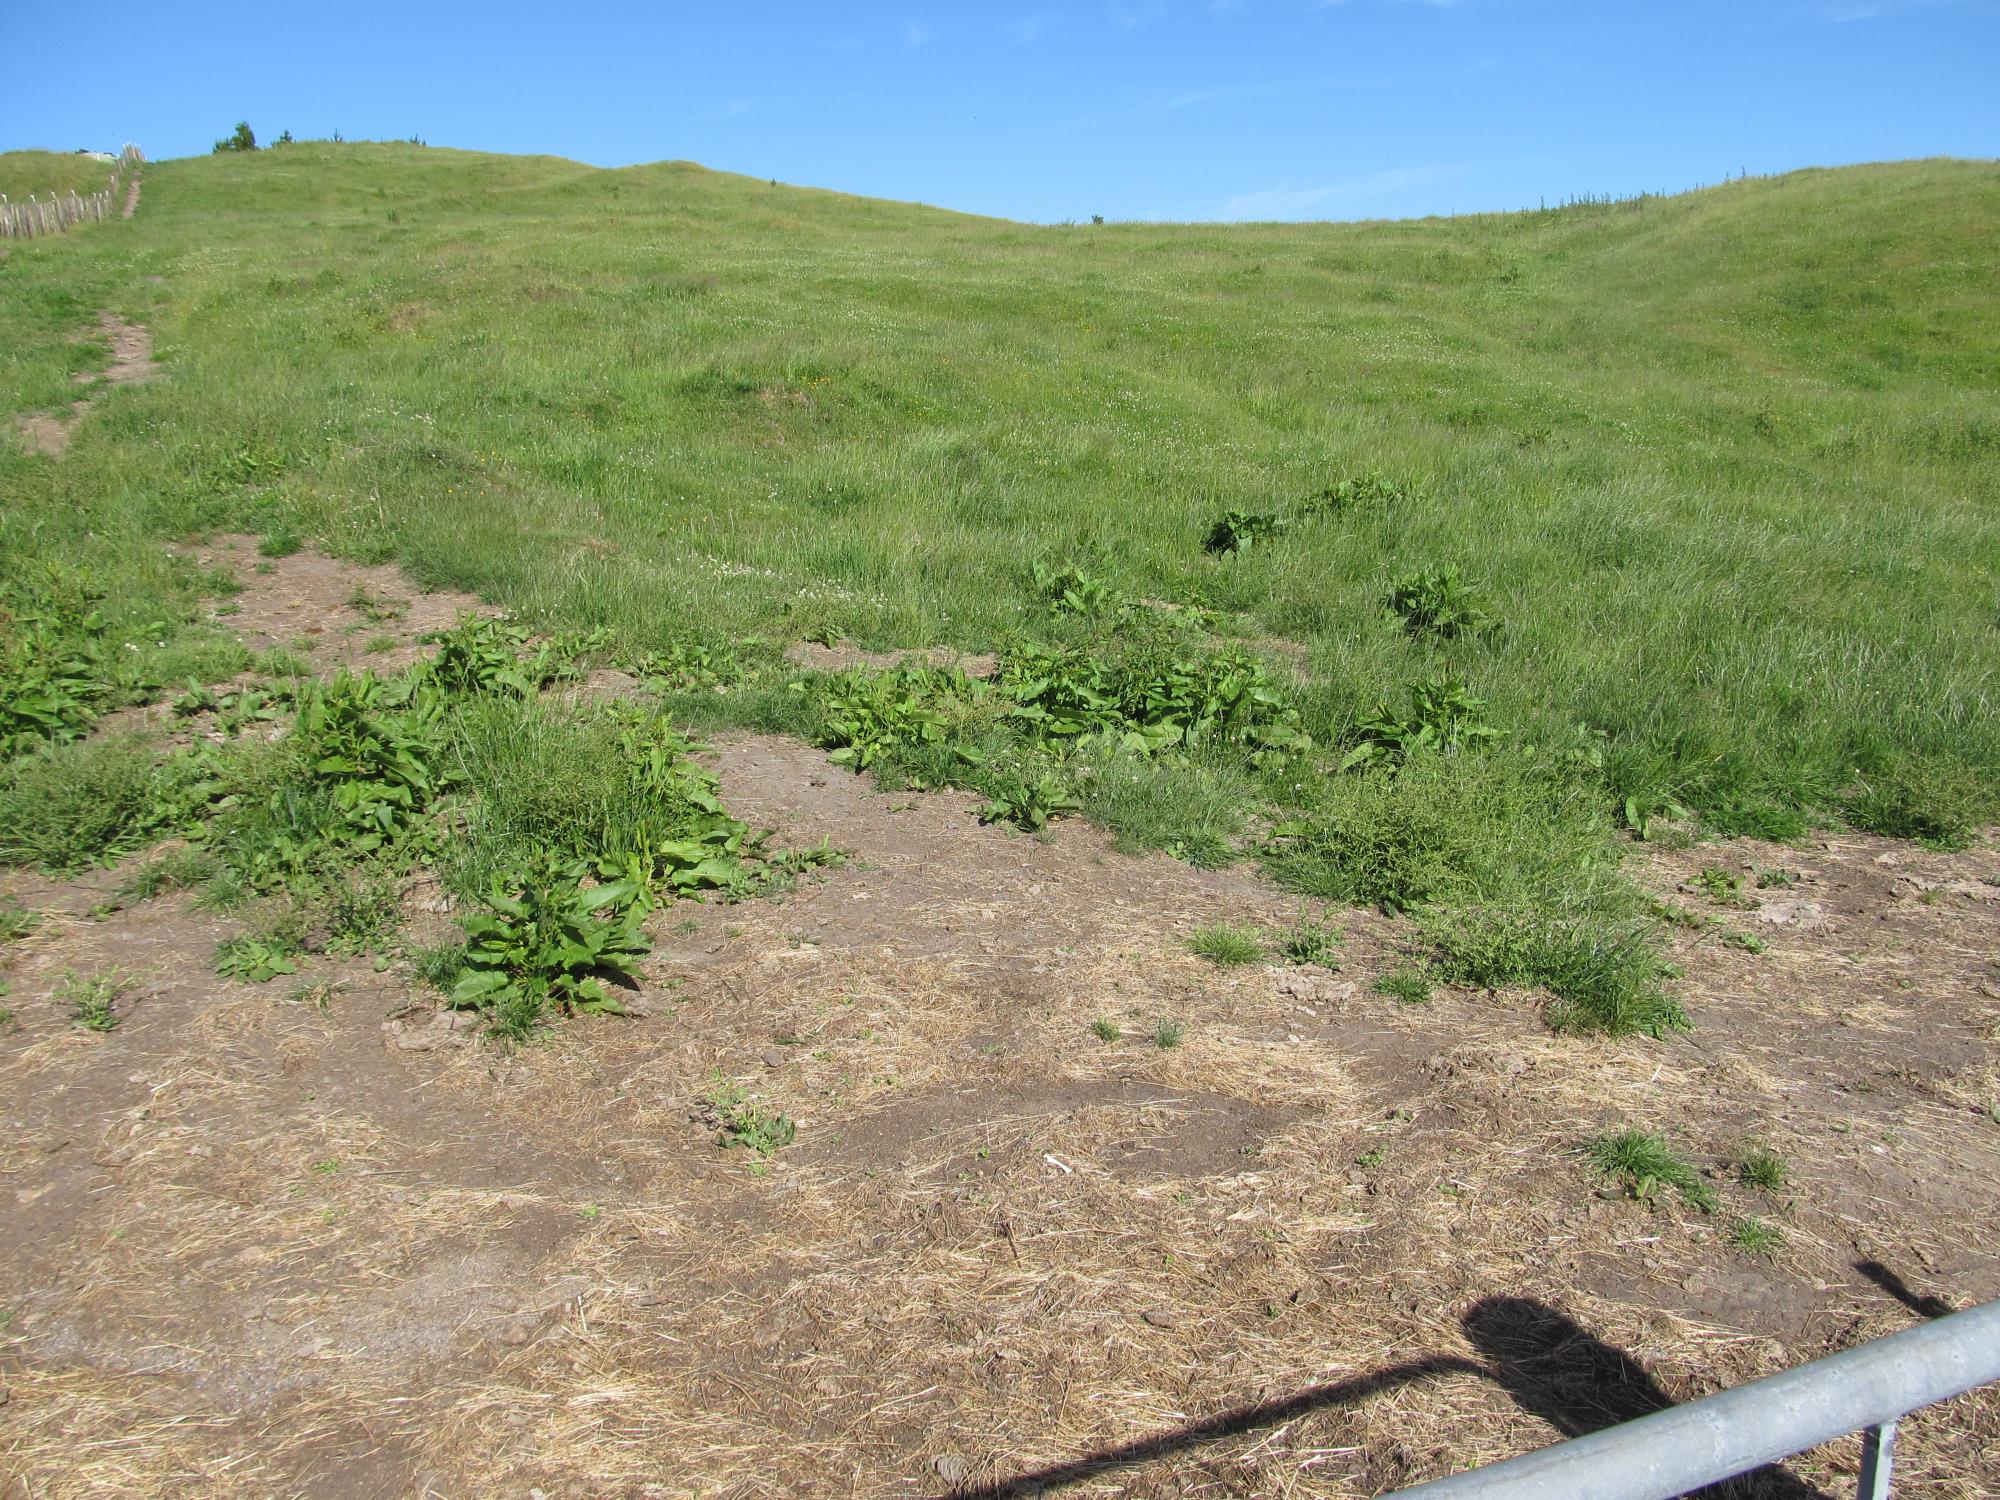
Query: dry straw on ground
(255, 1246)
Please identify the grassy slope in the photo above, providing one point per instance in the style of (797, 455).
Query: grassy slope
(45, 172)
(1725, 462)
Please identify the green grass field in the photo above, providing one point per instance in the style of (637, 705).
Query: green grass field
(1710, 484)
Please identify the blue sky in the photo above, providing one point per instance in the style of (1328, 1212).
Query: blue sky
(1174, 109)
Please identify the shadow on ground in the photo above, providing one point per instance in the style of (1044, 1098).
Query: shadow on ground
(1548, 1364)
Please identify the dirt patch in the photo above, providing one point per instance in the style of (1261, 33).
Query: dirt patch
(332, 612)
(818, 657)
(132, 359)
(303, 1238)
(328, 613)
(48, 435)
(132, 363)
(1128, 1129)
(131, 200)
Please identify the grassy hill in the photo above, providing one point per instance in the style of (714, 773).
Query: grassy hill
(43, 173)
(1722, 467)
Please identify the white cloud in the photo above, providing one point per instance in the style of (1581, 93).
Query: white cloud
(916, 34)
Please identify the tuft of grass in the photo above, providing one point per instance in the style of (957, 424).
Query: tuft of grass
(186, 868)
(376, 611)
(439, 965)
(739, 1119)
(280, 664)
(619, 793)
(1105, 1031)
(1724, 887)
(1756, 1239)
(1938, 804)
(280, 541)
(1224, 943)
(71, 806)
(1762, 1169)
(1192, 810)
(16, 921)
(1439, 602)
(1508, 865)
(319, 995)
(1446, 831)
(1408, 985)
(92, 999)
(543, 942)
(226, 893)
(1312, 940)
(1169, 1034)
(1643, 1163)
(359, 910)
(254, 959)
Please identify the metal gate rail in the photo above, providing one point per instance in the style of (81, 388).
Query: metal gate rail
(1683, 1448)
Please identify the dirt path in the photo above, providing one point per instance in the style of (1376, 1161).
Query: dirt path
(132, 363)
(315, 1241)
(131, 200)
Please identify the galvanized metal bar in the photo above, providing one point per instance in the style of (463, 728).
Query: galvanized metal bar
(1878, 1454)
(1668, 1453)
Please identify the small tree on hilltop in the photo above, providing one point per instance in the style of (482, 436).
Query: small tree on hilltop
(242, 139)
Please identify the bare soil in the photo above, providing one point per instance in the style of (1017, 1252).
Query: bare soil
(311, 1239)
(330, 612)
(132, 362)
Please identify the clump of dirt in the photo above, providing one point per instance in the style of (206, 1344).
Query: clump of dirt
(1061, 1191)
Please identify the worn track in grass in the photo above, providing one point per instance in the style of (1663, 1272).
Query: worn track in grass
(132, 363)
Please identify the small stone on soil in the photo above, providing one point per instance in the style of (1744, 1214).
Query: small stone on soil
(951, 1468)
(1808, 915)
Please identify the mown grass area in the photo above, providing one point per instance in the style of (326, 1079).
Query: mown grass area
(1623, 514)
(46, 173)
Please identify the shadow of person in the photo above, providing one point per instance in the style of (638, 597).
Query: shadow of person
(1227, 1423)
(1923, 1304)
(1579, 1384)
(1548, 1364)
